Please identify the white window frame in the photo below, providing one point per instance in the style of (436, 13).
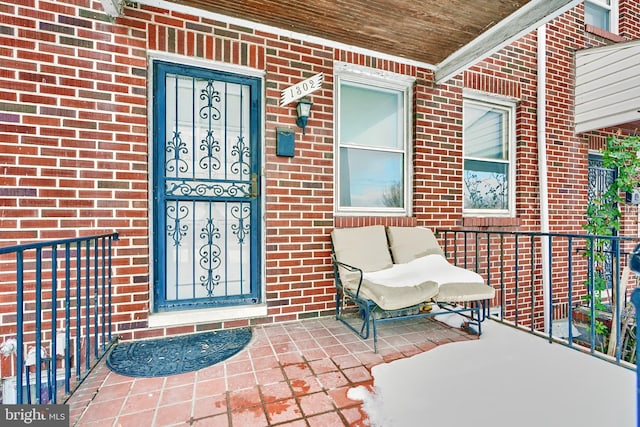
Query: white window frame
(351, 73)
(613, 13)
(507, 105)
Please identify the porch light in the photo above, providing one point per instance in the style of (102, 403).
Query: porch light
(303, 107)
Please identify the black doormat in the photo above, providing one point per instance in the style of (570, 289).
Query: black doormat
(175, 355)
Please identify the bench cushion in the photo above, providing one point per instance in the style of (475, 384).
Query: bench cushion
(409, 243)
(362, 247)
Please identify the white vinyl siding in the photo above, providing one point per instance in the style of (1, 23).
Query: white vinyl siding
(607, 86)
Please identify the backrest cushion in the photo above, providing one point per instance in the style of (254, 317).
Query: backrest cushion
(362, 247)
(409, 243)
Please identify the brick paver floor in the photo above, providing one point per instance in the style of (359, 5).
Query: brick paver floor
(290, 374)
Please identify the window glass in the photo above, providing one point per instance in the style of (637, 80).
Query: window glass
(596, 15)
(372, 145)
(486, 185)
(371, 178)
(370, 116)
(485, 127)
(602, 14)
(487, 139)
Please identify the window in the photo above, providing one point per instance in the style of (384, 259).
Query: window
(488, 144)
(373, 134)
(602, 14)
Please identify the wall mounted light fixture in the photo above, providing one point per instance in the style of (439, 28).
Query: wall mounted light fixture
(303, 107)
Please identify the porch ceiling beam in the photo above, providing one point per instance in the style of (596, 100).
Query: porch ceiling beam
(113, 8)
(524, 20)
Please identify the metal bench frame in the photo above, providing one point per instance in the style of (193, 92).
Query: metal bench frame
(475, 311)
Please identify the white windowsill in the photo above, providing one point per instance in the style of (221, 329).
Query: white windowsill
(206, 315)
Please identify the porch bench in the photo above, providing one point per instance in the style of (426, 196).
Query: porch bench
(394, 273)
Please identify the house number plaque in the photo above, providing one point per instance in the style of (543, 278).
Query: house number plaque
(301, 89)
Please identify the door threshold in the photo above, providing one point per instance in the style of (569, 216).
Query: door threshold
(206, 315)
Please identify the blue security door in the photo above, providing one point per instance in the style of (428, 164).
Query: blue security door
(205, 188)
(600, 179)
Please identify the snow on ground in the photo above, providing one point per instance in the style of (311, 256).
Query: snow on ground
(507, 378)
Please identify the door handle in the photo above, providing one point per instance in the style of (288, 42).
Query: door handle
(254, 186)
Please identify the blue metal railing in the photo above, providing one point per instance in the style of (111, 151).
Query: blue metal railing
(635, 299)
(567, 307)
(62, 312)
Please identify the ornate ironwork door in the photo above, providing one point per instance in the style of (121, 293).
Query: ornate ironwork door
(206, 195)
(600, 179)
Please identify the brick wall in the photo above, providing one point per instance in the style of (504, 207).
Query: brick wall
(73, 137)
(629, 17)
(437, 152)
(567, 186)
(74, 140)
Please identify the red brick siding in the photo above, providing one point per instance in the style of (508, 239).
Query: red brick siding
(567, 186)
(629, 16)
(437, 152)
(299, 189)
(74, 139)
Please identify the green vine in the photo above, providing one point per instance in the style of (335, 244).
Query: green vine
(603, 212)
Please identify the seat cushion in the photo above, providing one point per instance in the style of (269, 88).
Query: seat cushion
(455, 284)
(397, 287)
(409, 243)
(395, 298)
(464, 292)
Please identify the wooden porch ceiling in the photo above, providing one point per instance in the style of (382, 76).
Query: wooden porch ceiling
(426, 31)
(430, 32)
(446, 36)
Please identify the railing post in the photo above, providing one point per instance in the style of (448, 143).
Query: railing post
(109, 282)
(67, 315)
(548, 277)
(96, 299)
(592, 295)
(78, 284)
(87, 304)
(19, 320)
(54, 322)
(38, 339)
(635, 299)
(532, 285)
(618, 300)
(517, 285)
(570, 291)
